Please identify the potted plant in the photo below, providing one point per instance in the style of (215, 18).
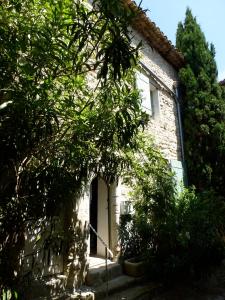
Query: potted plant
(133, 261)
(134, 266)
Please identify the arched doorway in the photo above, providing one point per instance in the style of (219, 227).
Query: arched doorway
(99, 216)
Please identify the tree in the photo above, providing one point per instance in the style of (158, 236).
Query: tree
(67, 109)
(203, 108)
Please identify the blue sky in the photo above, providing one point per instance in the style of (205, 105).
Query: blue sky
(210, 15)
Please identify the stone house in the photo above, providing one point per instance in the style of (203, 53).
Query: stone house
(101, 205)
(160, 61)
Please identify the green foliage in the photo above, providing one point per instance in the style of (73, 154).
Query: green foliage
(151, 175)
(203, 109)
(8, 295)
(67, 108)
(197, 232)
(153, 192)
(175, 232)
(130, 239)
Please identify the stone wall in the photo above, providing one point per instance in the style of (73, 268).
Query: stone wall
(164, 128)
(155, 62)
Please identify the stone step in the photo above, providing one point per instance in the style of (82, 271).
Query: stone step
(140, 292)
(137, 291)
(117, 284)
(97, 276)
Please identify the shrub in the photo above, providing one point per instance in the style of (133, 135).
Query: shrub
(183, 232)
(130, 238)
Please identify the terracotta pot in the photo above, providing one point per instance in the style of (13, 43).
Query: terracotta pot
(134, 267)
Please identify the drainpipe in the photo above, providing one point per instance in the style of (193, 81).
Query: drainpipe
(177, 100)
(179, 122)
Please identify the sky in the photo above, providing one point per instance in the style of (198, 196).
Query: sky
(210, 15)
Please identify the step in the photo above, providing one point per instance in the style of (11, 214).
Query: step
(137, 291)
(95, 262)
(117, 284)
(97, 276)
(140, 292)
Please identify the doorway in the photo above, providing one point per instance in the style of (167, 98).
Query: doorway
(99, 216)
(94, 216)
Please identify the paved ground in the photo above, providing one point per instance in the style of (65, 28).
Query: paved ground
(186, 292)
(210, 287)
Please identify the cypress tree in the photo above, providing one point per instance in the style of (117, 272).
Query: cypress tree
(203, 108)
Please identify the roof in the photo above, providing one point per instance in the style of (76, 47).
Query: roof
(155, 37)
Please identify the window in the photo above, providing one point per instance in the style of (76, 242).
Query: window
(126, 207)
(149, 94)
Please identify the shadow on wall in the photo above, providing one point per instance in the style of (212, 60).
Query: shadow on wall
(55, 256)
(76, 254)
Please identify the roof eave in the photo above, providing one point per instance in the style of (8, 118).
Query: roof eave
(155, 37)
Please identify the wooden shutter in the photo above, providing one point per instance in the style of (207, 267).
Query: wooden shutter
(177, 168)
(143, 85)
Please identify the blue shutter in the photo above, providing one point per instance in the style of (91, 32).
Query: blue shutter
(178, 170)
(143, 84)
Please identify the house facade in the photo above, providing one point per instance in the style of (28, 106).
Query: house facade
(102, 204)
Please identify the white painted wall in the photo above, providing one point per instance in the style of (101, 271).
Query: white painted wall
(115, 215)
(102, 217)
